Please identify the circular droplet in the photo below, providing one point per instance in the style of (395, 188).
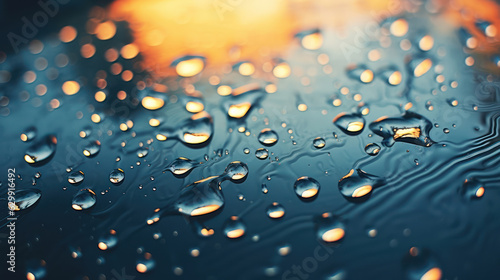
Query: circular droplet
(29, 134)
(117, 176)
(236, 170)
(472, 189)
(319, 143)
(268, 137)
(329, 229)
(352, 124)
(306, 187)
(76, 177)
(234, 228)
(372, 149)
(261, 153)
(42, 151)
(84, 199)
(275, 211)
(92, 148)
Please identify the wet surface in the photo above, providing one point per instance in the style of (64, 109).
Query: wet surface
(336, 158)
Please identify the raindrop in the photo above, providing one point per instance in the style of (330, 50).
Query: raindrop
(472, 189)
(76, 177)
(275, 211)
(268, 137)
(410, 128)
(372, 149)
(234, 228)
(358, 184)
(306, 187)
(361, 73)
(181, 166)
(117, 176)
(25, 199)
(352, 124)
(145, 264)
(42, 151)
(92, 148)
(419, 264)
(329, 229)
(29, 134)
(319, 143)
(107, 242)
(84, 199)
(236, 170)
(261, 153)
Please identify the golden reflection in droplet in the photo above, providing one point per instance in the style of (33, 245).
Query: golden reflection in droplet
(161, 137)
(309, 193)
(195, 138)
(355, 126)
(277, 214)
(348, 174)
(236, 233)
(204, 210)
(95, 118)
(323, 59)
(30, 276)
(411, 132)
(152, 103)
(123, 127)
(29, 159)
(67, 34)
(422, 67)
(302, 107)
(312, 41)
(337, 102)
(224, 90)
(24, 137)
(239, 110)
(105, 30)
(102, 246)
(432, 274)
(395, 78)
(129, 51)
(190, 67)
(142, 268)
(154, 122)
(100, 96)
(207, 232)
(41, 90)
(246, 69)
(469, 61)
(480, 192)
(362, 191)
(399, 27)
(70, 87)
(366, 76)
(194, 107)
(282, 70)
(472, 43)
(426, 43)
(333, 235)
(408, 106)
(490, 31)
(357, 97)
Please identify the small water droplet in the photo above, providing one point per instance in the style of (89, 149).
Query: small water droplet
(306, 187)
(42, 151)
(319, 143)
(84, 199)
(372, 149)
(261, 153)
(275, 211)
(76, 177)
(268, 137)
(234, 228)
(117, 176)
(92, 148)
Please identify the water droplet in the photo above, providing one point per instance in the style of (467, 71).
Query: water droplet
(261, 153)
(358, 184)
(361, 73)
(236, 170)
(306, 187)
(181, 166)
(29, 134)
(372, 149)
(189, 65)
(42, 151)
(142, 152)
(242, 99)
(264, 189)
(198, 129)
(319, 143)
(25, 199)
(268, 137)
(472, 189)
(117, 176)
(310, 39)
(446, 130)
(329, 229)
(107, 242)
(246, 151)
(145, 264)
(84, 199)
(410, 128)
(275, 211)
(419, 264)
(92, 148)
(352, 124)
(234, 228)
(420, 65)
(200, 198)
(76, 177)
(281, 69)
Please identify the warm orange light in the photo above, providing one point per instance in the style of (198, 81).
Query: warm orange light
(67, 34)
(129, 51)
(433, 274)
(70, 87)
(105, 30)
(333, 235)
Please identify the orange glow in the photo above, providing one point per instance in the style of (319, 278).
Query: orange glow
(67, 34)
(30, 276)
(480, 192)
(235, 233)
(309, 193)
(142, 268)
(204, 210)
(423, 67)
(87, 50)
(70, 87)
(333, 235)
(362, 191)
(102, 246)
(152, 103)
(105, 30)
(129, 51)
(433, 274)
(207, 232)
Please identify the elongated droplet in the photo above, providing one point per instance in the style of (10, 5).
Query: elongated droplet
(358, 184)
(200, 198)
(352, 124)
(410, 128)
(25, 199)
(181, 166)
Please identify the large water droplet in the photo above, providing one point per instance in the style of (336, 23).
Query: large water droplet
(242, 99)
(25, 199)
(410, 128)
(234, 228)
(268, 137)
(76, 177)
(189, 65)
(117, 176)
(200, 198)
(306, 187)
(236, 170)
(360, 73)
(352, 124)
(358, 184)
(84, 199)
(181, 166)
(92, 148)
(42, 151)
(329, 228)
(275, 211)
